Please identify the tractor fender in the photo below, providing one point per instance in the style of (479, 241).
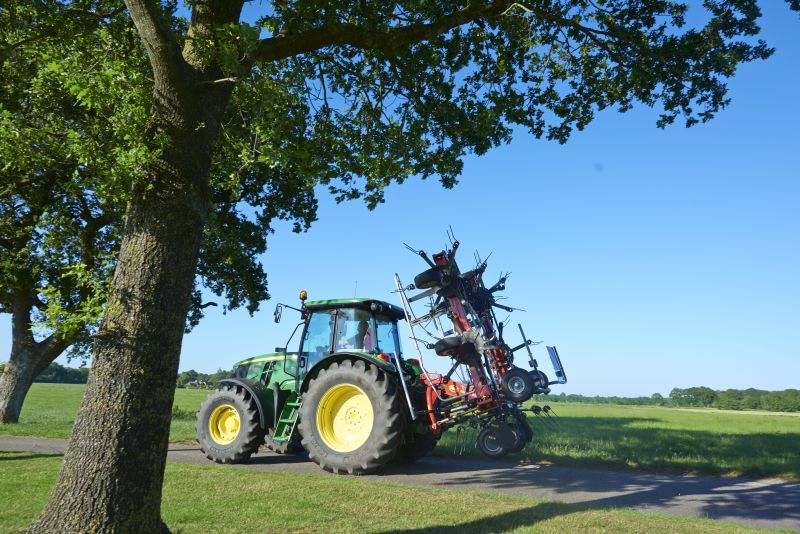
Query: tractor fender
(340, 357)
(262, 395)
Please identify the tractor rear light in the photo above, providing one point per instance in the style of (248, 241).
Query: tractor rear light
(385, 357)
(414, 361)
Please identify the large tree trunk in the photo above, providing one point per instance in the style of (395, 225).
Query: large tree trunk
(113, 467)
(28, 358)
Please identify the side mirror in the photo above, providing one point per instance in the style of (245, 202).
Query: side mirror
(278, 313)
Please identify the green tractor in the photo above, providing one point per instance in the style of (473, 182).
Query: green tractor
(344, 396)
(350, 399)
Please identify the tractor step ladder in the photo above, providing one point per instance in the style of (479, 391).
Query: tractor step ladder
(287, 419)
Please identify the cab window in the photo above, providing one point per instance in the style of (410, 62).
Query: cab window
(354, 331)
(317, 341)
(387, 336)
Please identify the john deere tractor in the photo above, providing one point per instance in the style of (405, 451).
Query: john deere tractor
(350, 399)
(340, 396)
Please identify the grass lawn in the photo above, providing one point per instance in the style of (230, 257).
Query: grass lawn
(651, 438)
(668, 439)
(226, 499)
(50, 410)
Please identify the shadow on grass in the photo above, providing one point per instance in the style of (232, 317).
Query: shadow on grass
(503, 522)
(614, 442)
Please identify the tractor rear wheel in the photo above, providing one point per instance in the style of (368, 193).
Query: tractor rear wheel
(228, 428)
(351, 419)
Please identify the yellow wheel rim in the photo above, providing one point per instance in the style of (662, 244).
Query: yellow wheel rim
(344, 418)
(223, 425)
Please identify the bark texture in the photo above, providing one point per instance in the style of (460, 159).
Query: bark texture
(113, 467)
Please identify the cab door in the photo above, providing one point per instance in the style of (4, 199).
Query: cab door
(317, 341)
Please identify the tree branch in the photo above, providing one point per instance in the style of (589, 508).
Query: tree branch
(280, 47)
(96, 14)
(162, 46)
(49, 349)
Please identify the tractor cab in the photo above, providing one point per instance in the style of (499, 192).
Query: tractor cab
(365, 328)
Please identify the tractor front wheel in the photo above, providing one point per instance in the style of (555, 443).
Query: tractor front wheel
(228, 428)
(351, 419)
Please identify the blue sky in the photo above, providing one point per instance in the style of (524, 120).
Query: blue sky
(651, 258)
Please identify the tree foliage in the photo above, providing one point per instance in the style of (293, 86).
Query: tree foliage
(71, 119)
(696, 396)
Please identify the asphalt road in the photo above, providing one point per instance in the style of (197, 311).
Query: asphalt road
(764, 503)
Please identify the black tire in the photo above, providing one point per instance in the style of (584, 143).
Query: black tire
(540, 382)
(517, 385)
(527, 431)
(489, 445)
(237, 440)
(448, 346)
(374, 449)
(428, 279)
(417, 446)
(523, 434)
(292, 446)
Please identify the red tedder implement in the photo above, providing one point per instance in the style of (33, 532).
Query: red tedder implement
(484, 388)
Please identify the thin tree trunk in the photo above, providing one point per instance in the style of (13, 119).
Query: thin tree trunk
(19, 371)
(15, 381)
(18, 376)
(28, 358)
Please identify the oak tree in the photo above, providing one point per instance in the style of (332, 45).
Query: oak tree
(354, 96)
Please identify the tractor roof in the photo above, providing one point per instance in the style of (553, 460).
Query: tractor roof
(391, 310)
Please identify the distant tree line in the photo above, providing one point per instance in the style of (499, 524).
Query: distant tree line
(787, 400)
(656, 400)
(58, 374)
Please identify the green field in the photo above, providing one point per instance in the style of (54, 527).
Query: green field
(666, 439)
(213, 498)
(651, 438)
(50, 410)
